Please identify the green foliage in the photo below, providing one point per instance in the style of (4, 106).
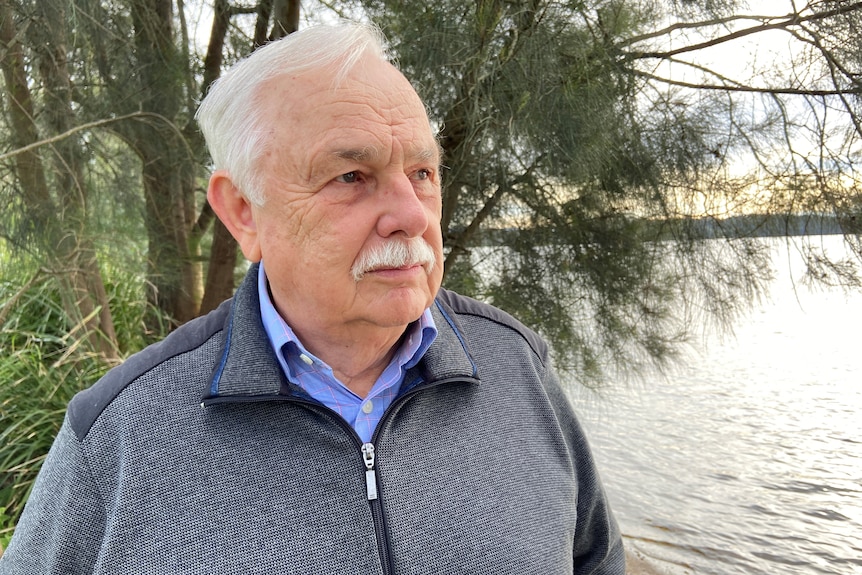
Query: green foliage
(562, 129)
(43, 364)
(552, 159)
(7, 525)
(578, 190)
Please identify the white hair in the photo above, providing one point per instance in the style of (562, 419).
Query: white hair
(230, 117)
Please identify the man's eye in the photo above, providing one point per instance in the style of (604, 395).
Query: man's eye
(422, 174)
(348, 178)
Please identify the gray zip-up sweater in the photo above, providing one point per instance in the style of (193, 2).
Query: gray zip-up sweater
(198, 456)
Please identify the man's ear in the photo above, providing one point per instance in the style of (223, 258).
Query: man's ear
(235, 212)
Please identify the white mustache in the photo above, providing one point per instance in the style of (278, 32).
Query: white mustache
(395, 254)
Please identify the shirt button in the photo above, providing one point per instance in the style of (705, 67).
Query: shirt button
(306, 359)
(367, 407)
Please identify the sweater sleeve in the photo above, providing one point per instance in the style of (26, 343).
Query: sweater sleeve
(61, 528)
(598, 546)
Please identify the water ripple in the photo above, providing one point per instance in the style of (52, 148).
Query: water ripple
(748, 461)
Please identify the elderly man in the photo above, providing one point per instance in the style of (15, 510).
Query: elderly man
(342, 413)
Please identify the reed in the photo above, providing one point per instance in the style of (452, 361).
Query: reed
(44, 361)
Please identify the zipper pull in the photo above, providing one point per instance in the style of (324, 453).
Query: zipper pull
(370, 474)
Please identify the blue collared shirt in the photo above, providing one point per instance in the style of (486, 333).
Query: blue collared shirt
(316, 377)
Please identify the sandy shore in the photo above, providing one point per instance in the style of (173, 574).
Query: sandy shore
(637, 565)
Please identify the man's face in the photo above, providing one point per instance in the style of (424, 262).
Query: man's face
(348, 170)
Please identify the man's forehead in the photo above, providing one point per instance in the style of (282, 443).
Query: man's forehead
(370, 73)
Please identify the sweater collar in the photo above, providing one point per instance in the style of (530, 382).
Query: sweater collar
(248, 369)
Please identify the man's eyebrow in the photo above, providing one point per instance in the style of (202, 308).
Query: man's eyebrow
(357, 155)
(428, 154)
(370, 153)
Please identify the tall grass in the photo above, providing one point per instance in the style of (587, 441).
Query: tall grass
(44, 362)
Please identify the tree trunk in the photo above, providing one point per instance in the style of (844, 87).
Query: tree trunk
(174, 271)
(223, 254)
(28, 164)
(220, 273)
(58, 224)
(285, 14)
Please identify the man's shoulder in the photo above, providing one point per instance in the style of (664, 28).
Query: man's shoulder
(89, 404)
(471, 310)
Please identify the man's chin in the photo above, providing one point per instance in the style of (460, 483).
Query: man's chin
(400, 306)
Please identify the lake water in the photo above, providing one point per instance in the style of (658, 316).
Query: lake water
(747, 460)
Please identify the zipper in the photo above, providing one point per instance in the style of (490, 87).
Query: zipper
(368, 458)
(370, 473)
(366, 449)
(377, 516)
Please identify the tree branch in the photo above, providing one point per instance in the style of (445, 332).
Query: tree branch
(785, 22)
(87, 126)
(748, 89)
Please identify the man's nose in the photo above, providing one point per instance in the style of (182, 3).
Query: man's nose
(402, 210)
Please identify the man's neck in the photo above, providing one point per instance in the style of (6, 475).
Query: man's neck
(357, 359)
